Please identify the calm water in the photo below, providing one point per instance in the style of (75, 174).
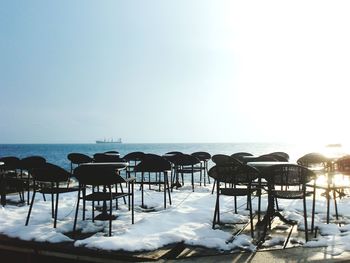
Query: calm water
(57, 153)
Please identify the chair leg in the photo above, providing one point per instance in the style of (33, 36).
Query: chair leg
(110, 212)
(335, 204)
(84, 202)
(216, 211)
(212, 191)
(235, 203)
(206, 172)
(203, 169)
(251, 215)
(313, 209)
(30, 207)
(76, 212)
(305, 218)
(149, 180)
(141, 186)
(217, 206)
(277, 208)
(52, 205)
(164, 193)
(168, 186)
(259, 203)
(56, 211)
(132, 203)
(192, 180)
(328, 204)
(128, 186)
(93, 210)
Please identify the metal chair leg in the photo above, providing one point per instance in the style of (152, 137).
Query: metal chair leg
(30, 208)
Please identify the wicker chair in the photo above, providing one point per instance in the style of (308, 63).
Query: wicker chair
(185, 164)
(288, 181)
(133, 159)
(107, 158)
(239, 155)
(223, 159)
(204, 157)
(11, 178)
(104, 175)
(77, 159)
(157, 166)
(284, 155)
(48, 179)
(321, 166)
(234, 180)
(28, 164)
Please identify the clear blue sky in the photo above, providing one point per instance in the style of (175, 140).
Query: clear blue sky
(174, 71)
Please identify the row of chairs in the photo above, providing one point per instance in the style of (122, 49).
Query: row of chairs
(34, 175)
(17, 173)
(283, 181)
(295, 181)
(181, 164)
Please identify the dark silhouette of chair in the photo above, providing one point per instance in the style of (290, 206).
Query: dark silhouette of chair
(204, 157)
(158, 166)
(223, 159)
(27, 165)
(234, 180)
(112, 152)
(261, 158)
(107, 158)
(77, 159)
(285, 156)
(288, 181)
(48, 179)
(11, 178)
(104, 175)
(133, 159)
(171, 157)
(185, 164)
(321, 166)
(239, 155)
(343, 165)
(315, 161)
(173, 153)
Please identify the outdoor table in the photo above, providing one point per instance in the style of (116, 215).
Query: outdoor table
(271, 212)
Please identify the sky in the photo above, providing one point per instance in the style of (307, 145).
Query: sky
(174, 71)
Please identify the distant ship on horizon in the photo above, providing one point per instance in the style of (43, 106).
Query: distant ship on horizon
(109, 141)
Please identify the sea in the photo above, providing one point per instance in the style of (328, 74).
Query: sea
(57, 153)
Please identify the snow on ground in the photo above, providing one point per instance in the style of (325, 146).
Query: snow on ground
(188, 220)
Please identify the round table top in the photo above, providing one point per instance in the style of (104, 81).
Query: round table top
(114, 164)
(266, 164)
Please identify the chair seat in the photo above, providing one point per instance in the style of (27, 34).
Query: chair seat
(60, 190)
(288, 194)
(13, 181)
(237, 191)
(189, 170)
(99, 196)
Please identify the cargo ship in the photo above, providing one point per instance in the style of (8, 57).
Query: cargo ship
(109, 141)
